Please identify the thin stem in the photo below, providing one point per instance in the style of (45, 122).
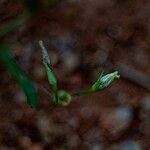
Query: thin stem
(84, 92)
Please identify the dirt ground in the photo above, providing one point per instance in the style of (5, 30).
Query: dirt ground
(83, 37)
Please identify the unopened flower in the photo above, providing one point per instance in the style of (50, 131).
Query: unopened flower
(105, 80)
(64, 98)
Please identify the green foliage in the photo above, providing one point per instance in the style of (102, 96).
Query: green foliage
(96, 85)
(62, 97)
(26, 84)
(51, 77)
(59, 97)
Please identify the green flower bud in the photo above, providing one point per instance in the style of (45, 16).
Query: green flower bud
(105, 80)
(45, 55)
(64, 98)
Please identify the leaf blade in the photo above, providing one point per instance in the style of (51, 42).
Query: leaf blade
(27, 86)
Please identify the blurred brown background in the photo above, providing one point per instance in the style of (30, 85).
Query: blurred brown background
(83, 37)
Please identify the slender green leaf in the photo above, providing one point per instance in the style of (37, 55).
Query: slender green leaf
(51, 77)
(26, 84)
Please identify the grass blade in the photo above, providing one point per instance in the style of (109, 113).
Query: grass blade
(26, 84)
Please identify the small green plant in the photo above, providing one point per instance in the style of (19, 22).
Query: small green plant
(62, 97)
(58, 97)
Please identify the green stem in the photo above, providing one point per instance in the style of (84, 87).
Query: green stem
(84, 92)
